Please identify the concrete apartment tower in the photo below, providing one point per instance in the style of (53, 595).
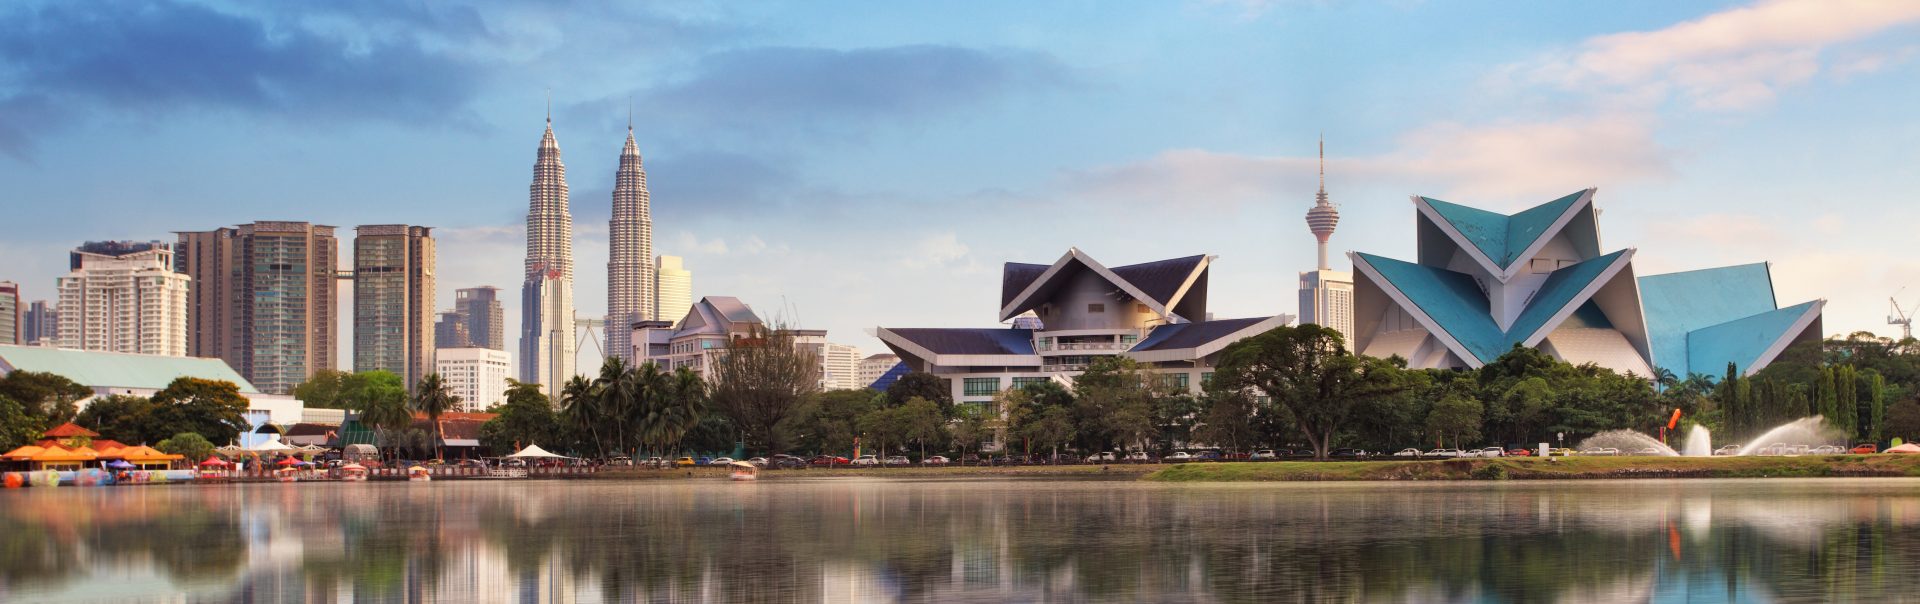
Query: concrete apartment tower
(123, 296)
(546, 299)
(264, 298)
(1326, 295)
(11, 317)
(486, 322)
(672, 289)
(43, 325)
(630, 269)
(393, 300)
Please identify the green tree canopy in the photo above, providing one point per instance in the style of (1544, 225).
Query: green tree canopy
(1306, 371)
(922, 385)
(828, 421)
(527, 418)
(190, 444)
(47, 396)
(120, 417)
(18, 427)
(213, 409)
(327, 389)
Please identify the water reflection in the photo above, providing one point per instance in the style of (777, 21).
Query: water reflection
(844, 540)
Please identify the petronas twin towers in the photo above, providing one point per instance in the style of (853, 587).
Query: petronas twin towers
(547, 325)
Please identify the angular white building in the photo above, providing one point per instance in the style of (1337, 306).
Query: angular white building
(476, 374)
(1486, 282)
(122, 296)
(546, 298)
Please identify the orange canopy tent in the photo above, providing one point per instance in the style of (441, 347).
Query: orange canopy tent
(143, 455)
(214, 462)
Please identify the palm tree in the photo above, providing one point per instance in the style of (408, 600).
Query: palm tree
(431, 397)
(576, 401)
(385, 410)
(615, 395)
(686, 403)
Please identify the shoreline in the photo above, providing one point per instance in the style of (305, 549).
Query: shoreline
(1557, 468)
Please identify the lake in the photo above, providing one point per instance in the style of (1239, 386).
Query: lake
(973, 540)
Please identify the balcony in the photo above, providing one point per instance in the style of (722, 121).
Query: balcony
(1105, 346)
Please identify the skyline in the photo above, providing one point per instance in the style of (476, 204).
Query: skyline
(850, 171)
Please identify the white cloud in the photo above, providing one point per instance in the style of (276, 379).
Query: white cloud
(1733, 59)
(687, 243)
(941, 250)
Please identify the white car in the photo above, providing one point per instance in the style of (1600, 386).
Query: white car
(1600, 451)
(1407, 452)
(1102, 456)
(1492, 452)
(1140, 456)
(935, 460)
(866, 461)
(758, 462)
(1443, 453)
(1727, 450)
(1180, 456)
(1827, 450)
(1264, 454)
(720, 461)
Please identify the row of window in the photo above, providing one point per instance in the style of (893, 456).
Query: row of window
(989, 386)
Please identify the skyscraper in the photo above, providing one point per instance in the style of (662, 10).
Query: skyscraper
(630, 270)
(263, 297)
(672, 288)
(10, 316)
(393, 300)
(486, 322)
(43, 325)
(451, 331)
(123, 296)
(1326, 295)
(546, 299)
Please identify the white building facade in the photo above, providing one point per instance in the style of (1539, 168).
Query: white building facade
(1326, 299)
(546, 297)
(840, 367)
(874, 366)
(476, 374)
(124, 297)
(673, 288)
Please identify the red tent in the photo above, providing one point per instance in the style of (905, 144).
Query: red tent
(285, 461)
(215, 462)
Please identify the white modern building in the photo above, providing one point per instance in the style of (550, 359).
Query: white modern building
(673, 288)
(1326, 295)
(477, 375)
(840, 367)
(874, 366)
(12, 319)
(1154, 313)
(122, 296)
(546, 298)
(701, 338)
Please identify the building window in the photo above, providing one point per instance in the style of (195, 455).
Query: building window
(1206, 379)
(1022, 382)
(1096, 308)
(980, 386)
(1046, 344)
(1129, 339)
(1176, 381)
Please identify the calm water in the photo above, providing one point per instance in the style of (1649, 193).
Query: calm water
(857, 540)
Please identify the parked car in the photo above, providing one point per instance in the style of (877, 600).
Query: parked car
(702, 460)
(1102, 457)
(1865, 448)
(1647, 451)
(1560, 451)
(1493, 452)
(828, 461)
(866, 461)
(1827, 450)
(935, 460)
(896, 461)
(1064, 458)
(1604, 451)
(1235, 456)
(1348, 454)
(1727, 450)
(1179, 456)
(1208, 456)
(1443, 453)
(1139, 457)
(719, 461)
(1264, 455)
(789, 462)
(683, 462)
(1520, 452)
(1407, 452)
(758, 462)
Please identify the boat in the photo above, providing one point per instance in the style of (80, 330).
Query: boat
(506, 472)
(418, 474)
(286, 474)
(353, 472)
(743, 471)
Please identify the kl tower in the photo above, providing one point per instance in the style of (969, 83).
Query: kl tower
(1326, 295)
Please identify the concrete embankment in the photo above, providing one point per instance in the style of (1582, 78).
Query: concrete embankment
(1558, 468)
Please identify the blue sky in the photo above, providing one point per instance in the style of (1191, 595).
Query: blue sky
(861, 164)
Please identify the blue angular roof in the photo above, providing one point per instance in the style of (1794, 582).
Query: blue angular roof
(1457, 305)
(1190, 335)
(1678, 303)
(1501, 237)
(1740, 341)
(892, 375)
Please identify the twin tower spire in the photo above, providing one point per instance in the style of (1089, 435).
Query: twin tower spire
(547, 344)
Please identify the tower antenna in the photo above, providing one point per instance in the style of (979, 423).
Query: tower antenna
(549, 106)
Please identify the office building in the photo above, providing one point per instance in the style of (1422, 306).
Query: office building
(393, 306)
(1484, 282)
(476, 374)
(840, 367)
(630, 268)
(874, 366)
(123, 296)
(42, 327)
(1326, 295)
(546, 298)
(672, 288)
(486, 322)
(450, 331)
(12, 319)
(263, 297)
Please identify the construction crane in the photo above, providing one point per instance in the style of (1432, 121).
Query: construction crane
(1900, 317)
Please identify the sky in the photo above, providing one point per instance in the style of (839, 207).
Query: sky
(851, 165)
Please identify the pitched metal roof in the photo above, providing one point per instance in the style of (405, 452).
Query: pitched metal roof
(117, 370)
(1457, 306)
(1158, 284)
(1192, 335)
(1503, 238)
(969, 340)
(1015, 277)
(1742, 341)
(1161, 279)
(1678, 303)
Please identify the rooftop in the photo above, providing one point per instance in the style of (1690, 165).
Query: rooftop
(117, 370)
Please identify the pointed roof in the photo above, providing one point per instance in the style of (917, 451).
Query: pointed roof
(1159, 284)
(70, 429)
(1499, 240)
(1452, 306)
(1748, 342)
(1679, 303)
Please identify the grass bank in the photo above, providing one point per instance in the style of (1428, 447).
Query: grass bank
(1559, 468)
(1115, 471)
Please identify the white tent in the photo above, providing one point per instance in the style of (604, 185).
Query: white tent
(536, 451)
(270, 446)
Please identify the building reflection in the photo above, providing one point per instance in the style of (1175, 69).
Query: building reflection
(886, 541)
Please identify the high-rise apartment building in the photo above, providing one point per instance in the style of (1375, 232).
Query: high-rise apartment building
(546, 298)
(393, 300)
(123, 296)
(672, 289)
(872, 367)
(1326, 295)
(840, 367)
(10, 316)
(630, 268)
(477, 375)
(451, 331)
(42, 325)
(486, 322)
(264, 298)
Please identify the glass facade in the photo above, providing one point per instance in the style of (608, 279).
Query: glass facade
(980, 386)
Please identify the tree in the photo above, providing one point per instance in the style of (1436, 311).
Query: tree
(327, 389)
(1040, 414)
(1114, 401)
(972, 424)
(1227, 421)
(1876, 406)
(213, 409)
(923, 385)
(1306, 372)
(1903, 420)
(580, 414)
(760, 381)
(1457, 417)
(1050, 428)
(18, 427)
(432, 398)
(527, 418)
(917, 421)
(381, 400)
(118, 417)
(48, 396)
(188, 444)
(829, 420)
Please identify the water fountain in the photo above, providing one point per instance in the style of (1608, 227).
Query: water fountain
(1800, 434)
(1627, 442)
(1699, 442)
(1795, 436)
